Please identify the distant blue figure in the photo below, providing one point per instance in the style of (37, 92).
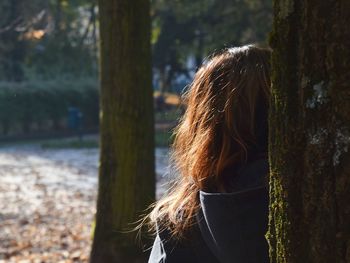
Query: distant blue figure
(75, 117)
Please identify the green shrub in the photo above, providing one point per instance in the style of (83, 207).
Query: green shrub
(74, 144)
(43, 105)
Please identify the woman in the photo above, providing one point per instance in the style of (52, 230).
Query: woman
(217, 209)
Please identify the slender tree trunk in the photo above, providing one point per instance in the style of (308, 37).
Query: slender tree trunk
(89, 26)
(58, 17)
(162, 80)
(310, 132)
(199, 51)
(126, 175)
(94, 30)
(15, 47)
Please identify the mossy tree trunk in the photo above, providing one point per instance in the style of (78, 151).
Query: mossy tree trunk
(310, 132)
(126, 175)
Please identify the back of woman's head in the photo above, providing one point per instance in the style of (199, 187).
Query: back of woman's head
(225, 125)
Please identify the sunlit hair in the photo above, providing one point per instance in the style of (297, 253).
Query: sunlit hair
(217, 131)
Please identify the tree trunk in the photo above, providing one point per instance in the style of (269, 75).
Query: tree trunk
(15, 47)
(310, 132)
(58, 18)
(126, 175)
(162, 80)
(94, 31)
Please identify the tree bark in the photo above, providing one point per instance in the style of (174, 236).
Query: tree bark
(126, 175)
(310, 132)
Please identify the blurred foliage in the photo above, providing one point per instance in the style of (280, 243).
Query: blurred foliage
(43, 105)
(184, 29)
(47, 38)
(73, 144)
(50, 46)
(171, 115)
(163, 138)
(43, 39)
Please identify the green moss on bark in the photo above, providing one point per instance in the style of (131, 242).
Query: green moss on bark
(309, 132)
(126, 174)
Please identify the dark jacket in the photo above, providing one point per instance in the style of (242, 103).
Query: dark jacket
(230, 227)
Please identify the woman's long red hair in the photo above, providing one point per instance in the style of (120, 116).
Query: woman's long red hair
(216, 131)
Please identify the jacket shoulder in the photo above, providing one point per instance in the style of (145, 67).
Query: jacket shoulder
(191, 249)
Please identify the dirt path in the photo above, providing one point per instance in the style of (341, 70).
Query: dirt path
(47, 203)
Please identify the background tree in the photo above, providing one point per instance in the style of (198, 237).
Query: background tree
(68, 47)
(48, 39)
(186, 31)
(43, 39)
(17, 18)
(310, 132)
(126, 176)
